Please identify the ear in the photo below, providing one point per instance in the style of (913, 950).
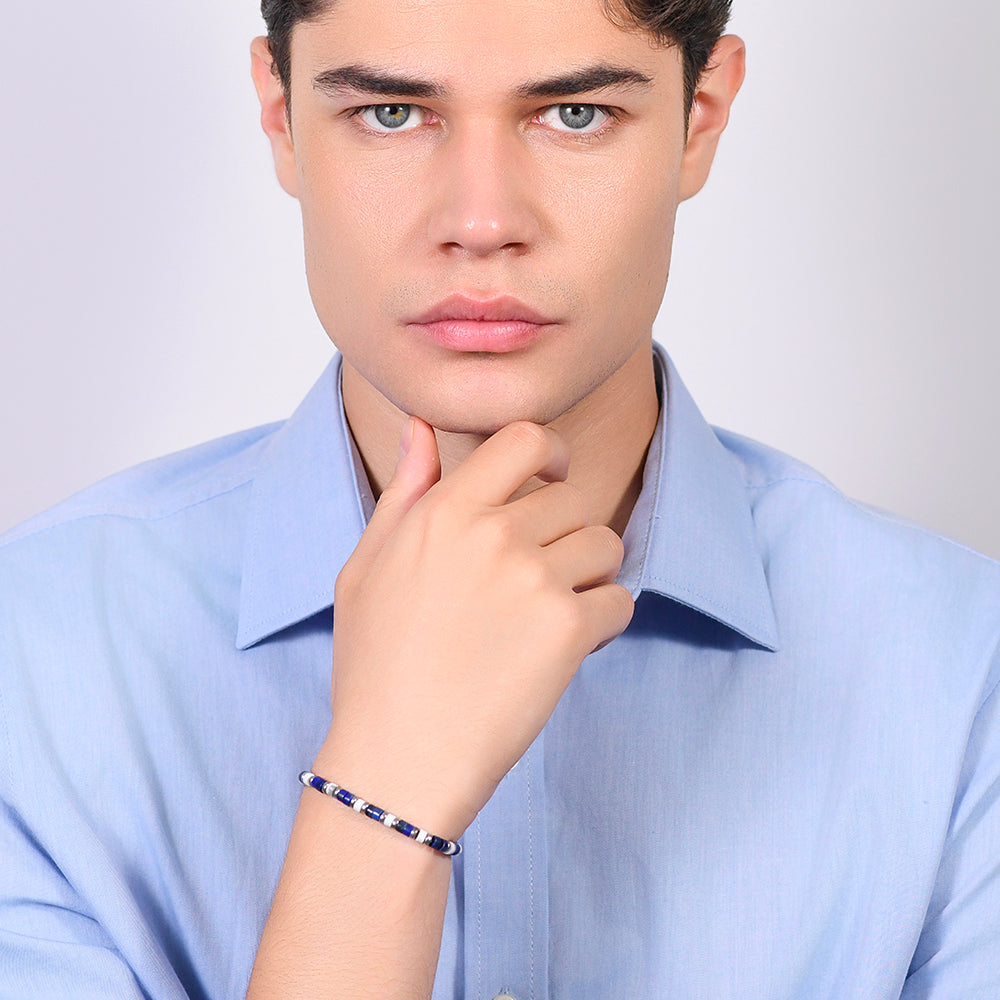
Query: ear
(273, 117)
(714, 96)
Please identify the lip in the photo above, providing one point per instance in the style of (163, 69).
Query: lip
(501, 309)
(497, 325)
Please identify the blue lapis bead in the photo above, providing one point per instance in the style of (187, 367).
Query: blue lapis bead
(351, 800)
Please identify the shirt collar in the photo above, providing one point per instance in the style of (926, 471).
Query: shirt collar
(306, 515)
(690, 537)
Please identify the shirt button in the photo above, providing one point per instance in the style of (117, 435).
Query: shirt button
(505, 996)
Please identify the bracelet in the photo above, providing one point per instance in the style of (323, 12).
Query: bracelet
(449, 848)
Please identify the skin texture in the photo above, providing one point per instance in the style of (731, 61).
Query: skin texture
(479, 200)
(486, 573)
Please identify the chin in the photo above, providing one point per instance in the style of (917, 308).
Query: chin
(479, 424)
(475, 429)
(481, 411)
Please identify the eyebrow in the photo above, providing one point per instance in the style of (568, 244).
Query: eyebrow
(372, 80)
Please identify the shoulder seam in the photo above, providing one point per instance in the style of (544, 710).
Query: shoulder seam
(130, 515)
(873, 512)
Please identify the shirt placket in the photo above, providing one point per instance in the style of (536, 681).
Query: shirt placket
(506, 918)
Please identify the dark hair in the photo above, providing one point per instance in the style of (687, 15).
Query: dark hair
(694, 26)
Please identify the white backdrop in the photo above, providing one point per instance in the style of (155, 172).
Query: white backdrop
(832, 292)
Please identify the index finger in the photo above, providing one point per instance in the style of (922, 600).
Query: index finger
(503, 463)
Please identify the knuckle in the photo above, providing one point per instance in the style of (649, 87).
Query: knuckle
(567, 617)
(345, 582)
(494, 532)
(533, 437)
(437, 519)
(624, 605)
(534, 577)
(614, 546)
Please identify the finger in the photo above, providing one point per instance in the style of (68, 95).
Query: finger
(550, 512)
(607, 611)
(418, 469)
(586, 558)
(502, 464)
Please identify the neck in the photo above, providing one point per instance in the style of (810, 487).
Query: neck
(608, 433)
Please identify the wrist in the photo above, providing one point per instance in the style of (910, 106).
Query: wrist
(441, 845)
(407, 785)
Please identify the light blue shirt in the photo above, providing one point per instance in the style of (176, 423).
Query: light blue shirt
(782, 782)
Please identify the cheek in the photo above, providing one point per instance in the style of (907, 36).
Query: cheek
(350, 209)
(340, 220)
(630, 239)
(351, 222)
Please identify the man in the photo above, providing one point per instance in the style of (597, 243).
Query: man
(702, 727)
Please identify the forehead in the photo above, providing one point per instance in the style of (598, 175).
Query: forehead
(465, 44)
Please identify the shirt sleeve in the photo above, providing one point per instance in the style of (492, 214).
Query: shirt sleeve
(49, 946)
(958, 953)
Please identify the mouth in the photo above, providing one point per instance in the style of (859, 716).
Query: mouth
(496, 326)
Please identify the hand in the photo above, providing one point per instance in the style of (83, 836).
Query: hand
(460, 619)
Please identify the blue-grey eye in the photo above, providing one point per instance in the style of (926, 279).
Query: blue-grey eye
(581, 119)
(392, 115)
(577, 116)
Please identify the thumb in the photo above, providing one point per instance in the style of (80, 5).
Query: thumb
(417, 470)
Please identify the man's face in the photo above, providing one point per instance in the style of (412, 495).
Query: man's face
(482, 178)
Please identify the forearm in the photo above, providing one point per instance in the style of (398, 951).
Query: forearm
(358, 911)
(459, 621)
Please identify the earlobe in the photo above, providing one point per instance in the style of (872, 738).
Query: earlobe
(273, 117)
(717, 89)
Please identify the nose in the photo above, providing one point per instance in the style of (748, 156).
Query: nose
(484, 202)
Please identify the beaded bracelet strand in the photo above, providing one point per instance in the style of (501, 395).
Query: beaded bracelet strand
(449, 848)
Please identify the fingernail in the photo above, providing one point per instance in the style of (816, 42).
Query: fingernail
(407, 439)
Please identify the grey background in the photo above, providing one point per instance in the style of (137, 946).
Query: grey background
(832, 293)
